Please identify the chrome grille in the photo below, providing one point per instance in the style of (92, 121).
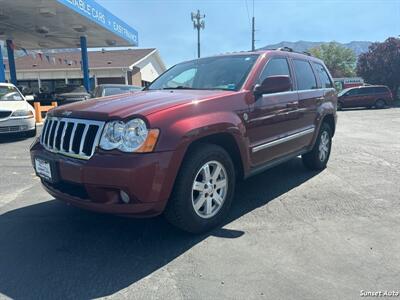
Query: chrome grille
(71, 137)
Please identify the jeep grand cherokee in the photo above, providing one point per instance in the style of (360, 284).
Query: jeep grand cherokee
(179, 146)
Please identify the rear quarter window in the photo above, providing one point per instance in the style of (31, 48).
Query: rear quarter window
(325, 81)
(305, 77)
(381, 90)
(367, 91)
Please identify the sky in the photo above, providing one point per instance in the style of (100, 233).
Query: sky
(166, 24)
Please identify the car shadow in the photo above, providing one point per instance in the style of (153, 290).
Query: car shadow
(51, 251)
(364, 108)
(12, 137)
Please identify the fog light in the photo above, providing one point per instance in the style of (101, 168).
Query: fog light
(124, 197)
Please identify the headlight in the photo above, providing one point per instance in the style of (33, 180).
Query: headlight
(22, 113)
(132, 136)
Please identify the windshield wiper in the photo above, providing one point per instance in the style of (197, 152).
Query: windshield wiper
(179, 87)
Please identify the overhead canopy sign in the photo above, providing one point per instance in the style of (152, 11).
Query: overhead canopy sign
(60, 24)
(96, 13)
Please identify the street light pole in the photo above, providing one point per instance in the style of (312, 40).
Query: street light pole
(253, 31)
(198, 23)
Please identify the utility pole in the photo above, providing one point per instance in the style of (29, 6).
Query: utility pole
(253, 30)
(198, 23)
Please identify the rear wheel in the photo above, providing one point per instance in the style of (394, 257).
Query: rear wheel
(379, 104)
(203, 190)
(339, 106)
(318, 157)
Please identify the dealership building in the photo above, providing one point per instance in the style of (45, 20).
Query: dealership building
(132, 66)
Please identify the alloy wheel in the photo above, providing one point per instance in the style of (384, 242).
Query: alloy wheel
(209, 189)
(324, 146)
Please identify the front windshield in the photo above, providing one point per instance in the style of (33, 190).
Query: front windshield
(213, 73)
(10, 93)
(109, 91)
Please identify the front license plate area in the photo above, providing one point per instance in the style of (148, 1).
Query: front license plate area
(45, 169)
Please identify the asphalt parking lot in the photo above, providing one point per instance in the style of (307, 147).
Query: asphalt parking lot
(292, 233)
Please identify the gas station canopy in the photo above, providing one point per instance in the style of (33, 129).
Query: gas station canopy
(60, 24)
(52, 24)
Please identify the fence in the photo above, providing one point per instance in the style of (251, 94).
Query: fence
(42, 108)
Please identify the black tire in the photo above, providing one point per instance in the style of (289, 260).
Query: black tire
(380, 103)
(312, 160)
(339, 106)
(180, 209)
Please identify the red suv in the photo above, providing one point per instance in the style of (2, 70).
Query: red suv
(365, 96)
(179, 146)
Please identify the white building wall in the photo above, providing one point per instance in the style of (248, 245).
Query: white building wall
(150, 68)
(62, 74)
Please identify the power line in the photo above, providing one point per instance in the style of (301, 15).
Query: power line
(248, 14)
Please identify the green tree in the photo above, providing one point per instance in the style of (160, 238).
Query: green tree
(339, 60)
(381, 64)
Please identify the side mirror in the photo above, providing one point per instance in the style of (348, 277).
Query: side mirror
(29, 98)
(273, 84)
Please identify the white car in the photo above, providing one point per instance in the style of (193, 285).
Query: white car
(16, 114)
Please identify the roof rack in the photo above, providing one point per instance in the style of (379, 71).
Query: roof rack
(285, 49)
(288, 49)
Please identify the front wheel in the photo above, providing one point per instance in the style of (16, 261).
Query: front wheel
(203, 190)
(318, 157)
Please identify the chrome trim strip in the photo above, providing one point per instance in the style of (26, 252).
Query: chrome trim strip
(53, 122)
(284, 139)
(83, 138)
(55, 135)
(63, 135)
(97, 140)
(296, 91)
(71, 140)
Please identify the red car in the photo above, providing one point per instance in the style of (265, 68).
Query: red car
(377, 96)
(179, 146)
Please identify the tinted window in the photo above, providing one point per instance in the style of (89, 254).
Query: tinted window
(381, 89)
(109, 91)
(276, 66)
(304, 75)
(352, 92)
(323, 76)
(215, 73)
(366, 91)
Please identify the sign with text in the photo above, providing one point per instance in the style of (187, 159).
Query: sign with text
(98, 14)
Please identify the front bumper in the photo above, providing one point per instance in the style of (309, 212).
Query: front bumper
(16, 125)
(95, 184)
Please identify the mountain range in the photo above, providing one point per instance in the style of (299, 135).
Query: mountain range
(357, 46)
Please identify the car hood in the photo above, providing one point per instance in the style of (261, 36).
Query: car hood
(14, 105)
(140, 103)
